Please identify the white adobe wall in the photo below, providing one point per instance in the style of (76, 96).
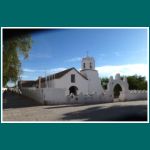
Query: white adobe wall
(58, 95)
(65, 83)
(54, 96)
(94, 83)
(88, 99)
(48, 83)
(125, 94)
(34, 93)
(45, 95)
(134, 95)
(113, 82)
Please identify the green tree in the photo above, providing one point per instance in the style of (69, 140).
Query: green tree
(12, 48)
(137, 82)
(104, 82)
(117, 90)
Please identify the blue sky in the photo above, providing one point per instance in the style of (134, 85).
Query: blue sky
(121, 51)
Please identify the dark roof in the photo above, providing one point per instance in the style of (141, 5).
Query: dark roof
(30, 83)
(60, 74)
(27, 83)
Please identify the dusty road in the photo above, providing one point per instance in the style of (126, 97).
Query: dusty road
(118, 111)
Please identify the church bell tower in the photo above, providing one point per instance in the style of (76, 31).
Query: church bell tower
(88, 63)
(88, 70)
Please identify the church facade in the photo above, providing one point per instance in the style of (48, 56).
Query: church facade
(73, 86)
(71, 80)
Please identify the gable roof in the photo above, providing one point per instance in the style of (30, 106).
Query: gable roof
(30, 83)
(61, 74)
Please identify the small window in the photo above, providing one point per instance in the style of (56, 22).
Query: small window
(84, 65)
(73, 78)
(90, 65)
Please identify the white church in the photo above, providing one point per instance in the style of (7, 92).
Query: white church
(73, 86)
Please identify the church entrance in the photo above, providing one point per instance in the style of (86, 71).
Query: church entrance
(73, 90)
(117, 90)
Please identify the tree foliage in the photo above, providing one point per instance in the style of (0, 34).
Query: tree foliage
(135, 82)
(104, 82)
(12, 48)
(117, 90)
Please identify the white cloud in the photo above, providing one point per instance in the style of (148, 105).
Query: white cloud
(53, 70)
(129, 69)
(28, 70)
(104, 71)
(74, 59)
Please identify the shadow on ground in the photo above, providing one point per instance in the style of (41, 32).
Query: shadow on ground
(14, 100)
(114, 113)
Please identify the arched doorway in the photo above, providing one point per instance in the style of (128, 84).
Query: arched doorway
(117, 89)
(73, 90)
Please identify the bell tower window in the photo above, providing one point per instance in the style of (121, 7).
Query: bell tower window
(90, 65)
(84, 65)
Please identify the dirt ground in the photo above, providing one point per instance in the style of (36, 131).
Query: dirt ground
(20, 108)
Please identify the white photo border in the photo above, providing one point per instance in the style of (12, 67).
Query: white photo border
(147, 28)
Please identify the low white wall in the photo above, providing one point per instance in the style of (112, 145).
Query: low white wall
(134, 95)
(34, 93)
(89, 99)
(107, 98)
(45, 95)
(57, 96)
(54, 96)
(138, 94)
